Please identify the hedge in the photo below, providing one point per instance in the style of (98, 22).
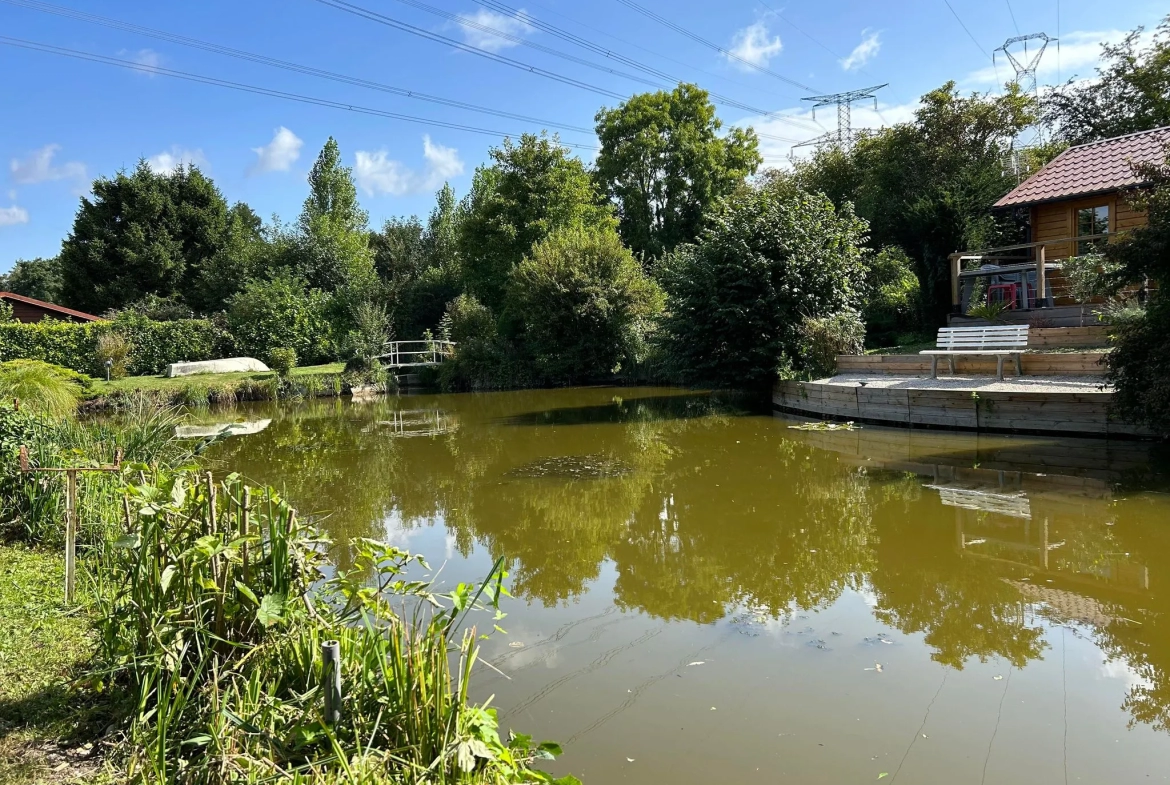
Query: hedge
(156, 344)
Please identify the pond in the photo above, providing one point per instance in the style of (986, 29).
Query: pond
(704, 593)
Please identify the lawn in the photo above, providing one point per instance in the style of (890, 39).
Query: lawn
(44, 727)
(130, 383)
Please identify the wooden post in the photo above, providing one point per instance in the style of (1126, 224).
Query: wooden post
(244, 526)
(1041, 279)
(331, 680)
(956, 268)
(70, 534)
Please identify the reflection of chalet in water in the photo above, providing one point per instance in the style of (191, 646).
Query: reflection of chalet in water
(1071, 206)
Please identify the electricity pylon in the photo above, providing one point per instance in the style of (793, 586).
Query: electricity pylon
(1026, 68)
(843, 136)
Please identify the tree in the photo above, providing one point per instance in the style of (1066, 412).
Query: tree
(892, 297)
(37, 278)
(532, 188)
(927, 186)
(584, 304)
(665, 166)
(1131, 92)
(334, 245)
(141, 233)
(244, 255)
(735, 301)
(1139, 365)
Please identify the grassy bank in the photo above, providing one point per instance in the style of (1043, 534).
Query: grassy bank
(46, 734)
(196, 653)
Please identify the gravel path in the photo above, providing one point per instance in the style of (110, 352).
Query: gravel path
(989, 383)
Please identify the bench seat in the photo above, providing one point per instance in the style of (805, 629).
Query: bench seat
(1000, 342)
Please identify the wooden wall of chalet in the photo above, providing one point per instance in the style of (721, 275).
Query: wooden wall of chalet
(27, 312)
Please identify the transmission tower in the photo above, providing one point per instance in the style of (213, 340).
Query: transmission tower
(843, 136)
(1025, 68)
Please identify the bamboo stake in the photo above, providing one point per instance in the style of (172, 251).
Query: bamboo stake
(331, 680)
(70, 534)
(244, 524)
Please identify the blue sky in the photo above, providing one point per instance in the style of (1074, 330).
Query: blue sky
(67, 121)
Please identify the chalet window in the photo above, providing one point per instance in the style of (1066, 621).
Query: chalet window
(1091, 221)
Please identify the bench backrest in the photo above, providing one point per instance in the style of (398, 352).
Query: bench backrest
(1006, 336)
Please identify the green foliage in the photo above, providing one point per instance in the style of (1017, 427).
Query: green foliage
(282, 360)
(370, 334)
(333, 247)
(665, 164)
(892, 301)
(822, 338)
(280, 312)
(989, 311)
(248, 251)
(1130, 93)
(736, 300)
(466, 320)
(532, 188)
(927, 186)
(156, 308)
(36, 278)
(113, 352)
(5, 312)
(1139, 366)
(41, 387)
(1090, 277)
(141, 233)
(582, 304)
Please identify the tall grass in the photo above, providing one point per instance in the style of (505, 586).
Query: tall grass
(45, 388)
(214, 606)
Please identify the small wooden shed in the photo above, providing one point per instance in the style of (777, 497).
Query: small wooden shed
(30, 309)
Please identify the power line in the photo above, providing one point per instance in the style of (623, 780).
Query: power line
(374, 16)
(116, 24)
(711, 44)
(968, 32)
(382, 19)
(240, 86)
(1015, 24)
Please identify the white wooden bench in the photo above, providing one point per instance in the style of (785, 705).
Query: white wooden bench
(1001, 342)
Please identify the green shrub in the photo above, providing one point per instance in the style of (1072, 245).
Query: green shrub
(42, 387)
(283, 360)
(370, 333)
(992, 311)
(823, 338)
(892, 304)
(75, 346)
(5, 312)
(583, 305)
(113, 351)
(467, 319)
(281, 312)
(1090, 277)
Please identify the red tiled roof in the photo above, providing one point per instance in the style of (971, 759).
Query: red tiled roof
(20, 298)
(1092, 168)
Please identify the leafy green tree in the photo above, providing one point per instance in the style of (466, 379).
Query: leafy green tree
(37, 278)
(892, 297)
(735, 300)
(334, 247)
(1131, 92)
(532, 188)
(246, 253)
(281, 312)
(583, 303)
(1139, 365)
(399, 250)
(665, 165)
(142, 232)
(927, 186)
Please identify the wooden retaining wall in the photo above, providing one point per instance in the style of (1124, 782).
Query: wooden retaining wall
(1060, 316)
(1081, 413)
(1039, 364)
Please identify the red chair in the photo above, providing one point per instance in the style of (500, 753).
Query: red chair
(1008, 291)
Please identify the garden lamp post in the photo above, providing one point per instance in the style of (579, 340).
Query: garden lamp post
(108, 364)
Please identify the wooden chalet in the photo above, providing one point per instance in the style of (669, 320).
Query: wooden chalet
(1072, 205)
(30, 309)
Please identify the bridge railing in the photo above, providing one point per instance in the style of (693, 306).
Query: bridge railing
(405, 354)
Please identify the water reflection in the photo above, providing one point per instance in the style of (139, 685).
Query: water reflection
(687, 509)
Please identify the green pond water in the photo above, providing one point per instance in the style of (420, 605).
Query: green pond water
(703, 593)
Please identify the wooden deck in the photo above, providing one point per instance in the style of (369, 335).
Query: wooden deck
(1035, 364)
(956, 407)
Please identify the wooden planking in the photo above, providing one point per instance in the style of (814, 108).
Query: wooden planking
(1069, 337)
(883, 403)
(1035, 364)
(1055, 412)
(947, 408)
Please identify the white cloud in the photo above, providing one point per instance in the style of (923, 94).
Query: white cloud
(1079, 54)
(37, 167)
(377, 174)
(754, 45)
(776, 152)
(865, 51)
(278, 155)
(474, 34)
(170, 160)
(10, 216)
(148, 60)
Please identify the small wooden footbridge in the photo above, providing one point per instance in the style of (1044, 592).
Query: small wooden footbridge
(416, 354)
